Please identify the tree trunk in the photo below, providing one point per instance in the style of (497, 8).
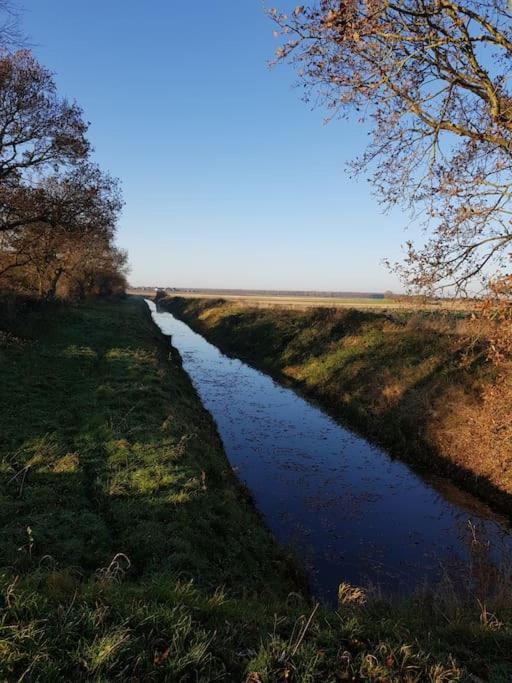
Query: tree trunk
(50, 295)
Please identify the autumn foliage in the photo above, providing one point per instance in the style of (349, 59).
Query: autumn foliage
(431, 80)
(58, 210)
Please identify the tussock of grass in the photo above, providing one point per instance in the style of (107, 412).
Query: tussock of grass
(129, 551)
(54, 625)
(413, 382)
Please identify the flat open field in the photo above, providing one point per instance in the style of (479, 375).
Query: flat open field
(305, 302)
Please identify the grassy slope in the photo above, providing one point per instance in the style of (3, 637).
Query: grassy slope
(410, 382)
(130, 552)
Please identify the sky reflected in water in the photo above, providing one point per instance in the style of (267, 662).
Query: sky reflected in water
(349, 511)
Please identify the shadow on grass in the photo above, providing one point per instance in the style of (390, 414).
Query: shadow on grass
(106, 449)
(382, 378)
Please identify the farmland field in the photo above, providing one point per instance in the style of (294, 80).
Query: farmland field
(301, 302)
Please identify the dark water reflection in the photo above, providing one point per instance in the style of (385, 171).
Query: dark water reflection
(350, 512)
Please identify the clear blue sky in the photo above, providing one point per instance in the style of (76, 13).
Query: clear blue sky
(229, 179)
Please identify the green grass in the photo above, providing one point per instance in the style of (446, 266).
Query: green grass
(128, 550)
(106, 441)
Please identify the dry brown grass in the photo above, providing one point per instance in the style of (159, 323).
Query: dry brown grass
(304, 303)
(474, 430)
(419, 383)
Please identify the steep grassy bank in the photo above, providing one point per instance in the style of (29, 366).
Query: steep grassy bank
(128, 550)
(411, 382)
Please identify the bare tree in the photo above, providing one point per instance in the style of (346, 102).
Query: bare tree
(58, 211)
(73, 237)
(433, 79)
(10, 36)
(39, 133)
(46, 262)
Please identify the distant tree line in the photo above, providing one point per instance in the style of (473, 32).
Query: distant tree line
(58, 210)
(280, 292)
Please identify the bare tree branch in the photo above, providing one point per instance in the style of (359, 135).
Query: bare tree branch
(433, 77)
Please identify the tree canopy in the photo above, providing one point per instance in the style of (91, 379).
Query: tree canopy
(431, 77)
(58, 210)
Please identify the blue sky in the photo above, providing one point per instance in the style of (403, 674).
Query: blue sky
(229, 179)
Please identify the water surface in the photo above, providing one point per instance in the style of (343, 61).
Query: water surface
(350, 511)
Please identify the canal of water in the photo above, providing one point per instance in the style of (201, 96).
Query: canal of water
(349, 511)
